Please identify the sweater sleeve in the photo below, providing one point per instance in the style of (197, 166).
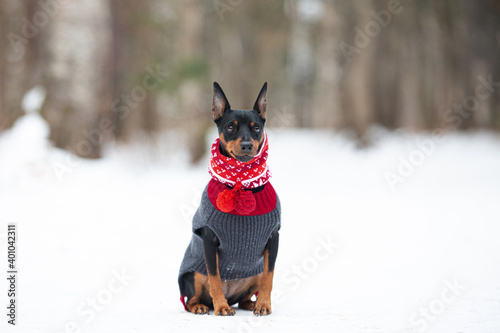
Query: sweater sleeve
(203, 213)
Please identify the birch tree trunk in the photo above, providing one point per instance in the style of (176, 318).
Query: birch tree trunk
(77, 77)
(18, 44)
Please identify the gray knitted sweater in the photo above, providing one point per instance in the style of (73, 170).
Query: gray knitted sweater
(242, 239)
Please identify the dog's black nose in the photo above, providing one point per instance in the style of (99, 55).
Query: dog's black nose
(246, 146)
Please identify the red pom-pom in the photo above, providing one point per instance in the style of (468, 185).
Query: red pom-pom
(245, 203)
(225, 201)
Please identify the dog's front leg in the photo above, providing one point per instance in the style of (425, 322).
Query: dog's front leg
(263, 304)
(210, 250)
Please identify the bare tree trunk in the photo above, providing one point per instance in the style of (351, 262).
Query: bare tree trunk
(327, 99)
(410, 68)
(16, 41)
(483, 22)
(301, 66)
(191, 100)
(358, 84)
(136, 40)
(78, 50)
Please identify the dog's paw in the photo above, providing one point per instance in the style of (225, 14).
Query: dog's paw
(224, 310)
(262, 309)
(199, 309)
(247, 305)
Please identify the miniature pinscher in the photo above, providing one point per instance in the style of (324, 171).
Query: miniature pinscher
(233, 249)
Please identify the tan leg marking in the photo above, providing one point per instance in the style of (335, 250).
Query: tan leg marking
(263, 304)
(194, 305)
(220, 303)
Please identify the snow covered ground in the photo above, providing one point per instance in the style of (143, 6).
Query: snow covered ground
(403, 236)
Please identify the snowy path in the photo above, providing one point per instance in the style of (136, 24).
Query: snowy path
(99, 250)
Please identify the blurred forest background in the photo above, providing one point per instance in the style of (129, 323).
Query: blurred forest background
(123, 69)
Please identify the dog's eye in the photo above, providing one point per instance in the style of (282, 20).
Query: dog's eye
(256, 129)
(230, 128)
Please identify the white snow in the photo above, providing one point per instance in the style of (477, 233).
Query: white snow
(33, 100)
(355, 256)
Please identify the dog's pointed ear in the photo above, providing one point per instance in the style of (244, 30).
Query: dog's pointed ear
(260, 103)
(220, 104)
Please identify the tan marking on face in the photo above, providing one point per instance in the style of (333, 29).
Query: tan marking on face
(255, 148)
(256, 145)
(236, 148)
(222, 141)
(261, 139)
(231, 147)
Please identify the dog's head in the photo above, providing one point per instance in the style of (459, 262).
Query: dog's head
(241, 132)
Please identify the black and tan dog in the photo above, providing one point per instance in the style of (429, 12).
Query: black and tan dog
(232, 253)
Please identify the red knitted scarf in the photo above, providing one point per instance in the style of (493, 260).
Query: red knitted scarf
(240, 176)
